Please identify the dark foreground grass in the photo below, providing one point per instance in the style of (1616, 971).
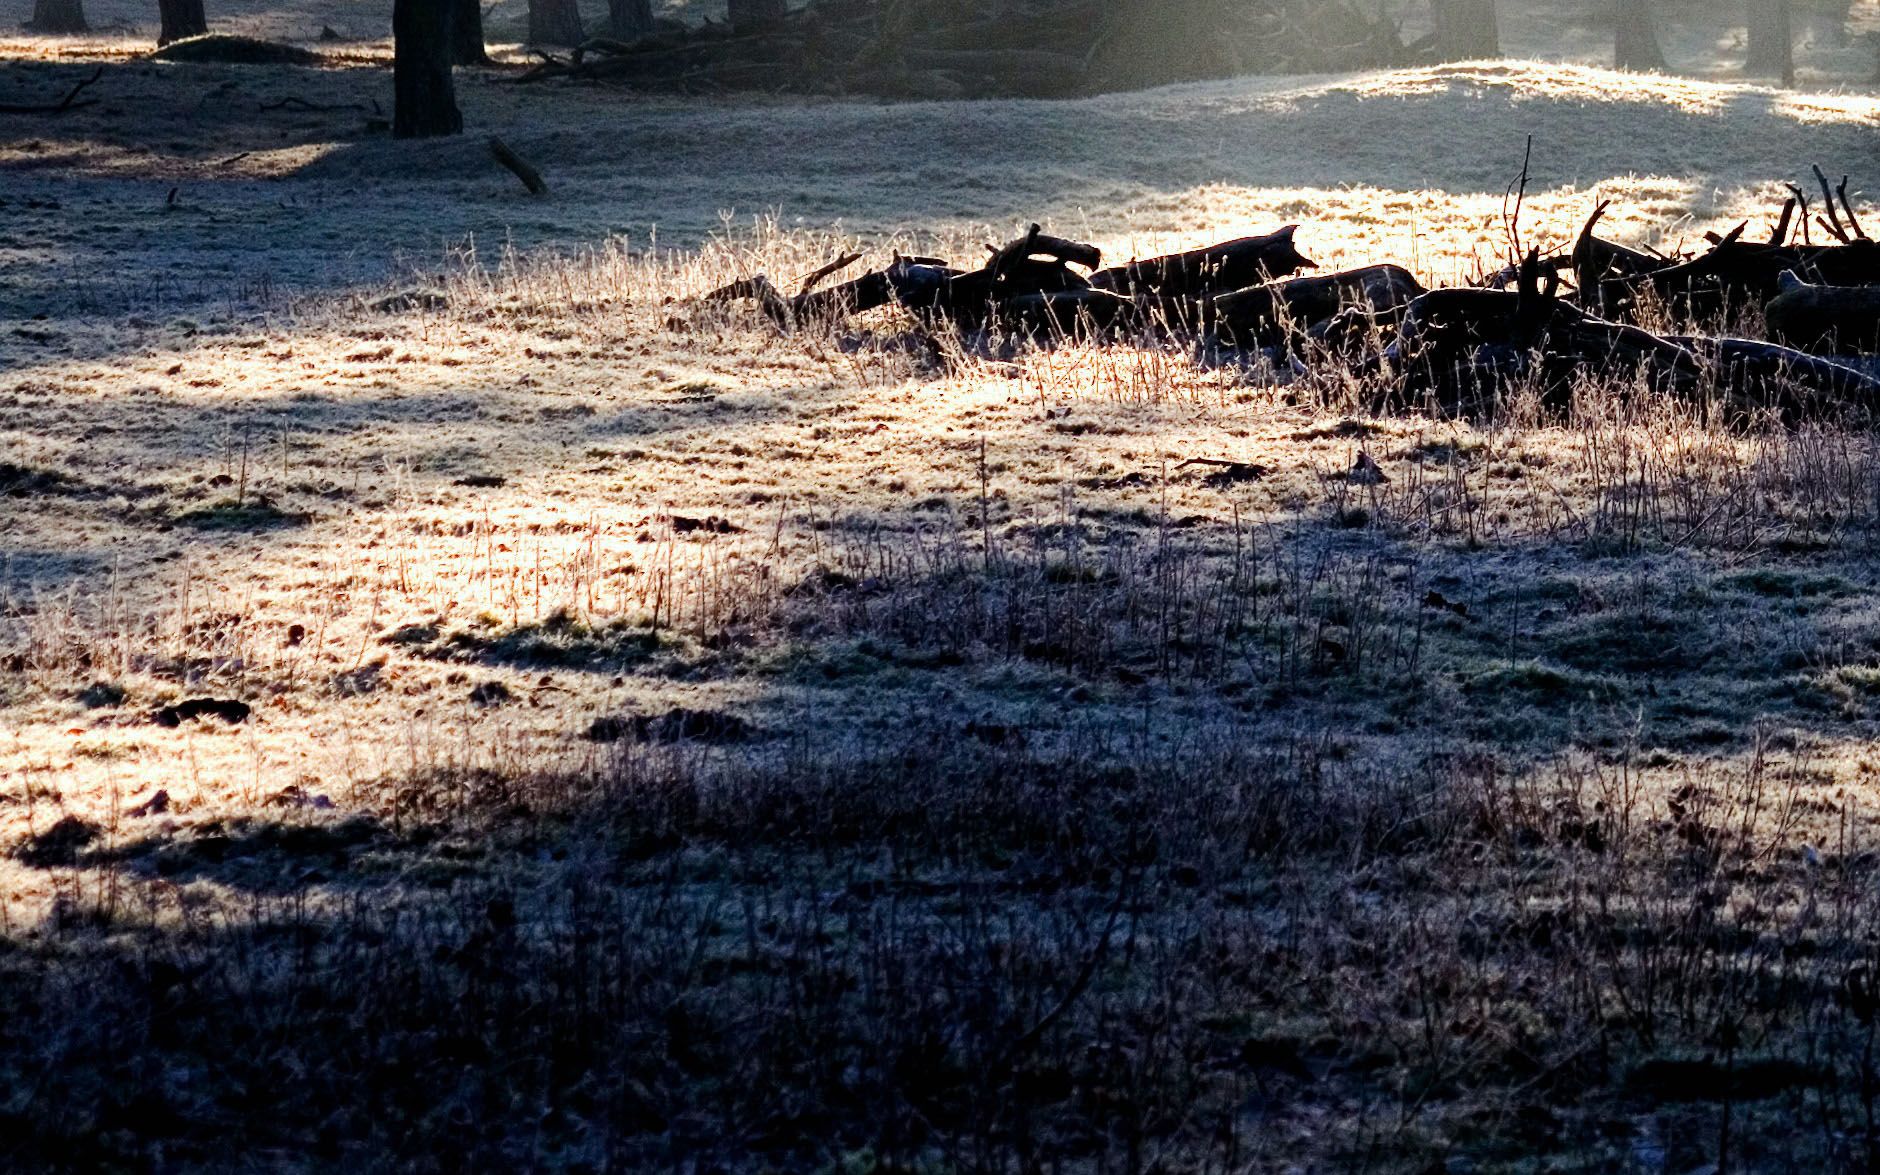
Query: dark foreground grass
(945, 956)
(1166, 848)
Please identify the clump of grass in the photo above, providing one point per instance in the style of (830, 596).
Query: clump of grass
(28, 481)
(560, 640)
(59, 844)
(1545, 685)
(102, 695)
(252, 513)
(1784, 583)
(1645, 639)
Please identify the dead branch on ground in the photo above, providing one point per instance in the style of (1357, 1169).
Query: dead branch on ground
(64, 104)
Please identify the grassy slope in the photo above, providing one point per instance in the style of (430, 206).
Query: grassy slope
(1081, 808)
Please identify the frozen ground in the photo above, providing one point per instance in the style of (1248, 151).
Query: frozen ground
(209, 198)
(214, 198)
(431, 542)
(185, 279)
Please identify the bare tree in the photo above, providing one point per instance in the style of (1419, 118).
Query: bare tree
(1635, 40)
(1771, 40)
(554, 22)
(59, 16)
(466, 33)
(1466, 29)
(180, 18)
(424, 103)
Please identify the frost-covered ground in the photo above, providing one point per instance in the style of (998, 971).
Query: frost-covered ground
(1042, 799)
(220, 184)
(210, 198)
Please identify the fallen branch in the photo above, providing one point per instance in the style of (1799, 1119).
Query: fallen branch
(1216, 269)
(293, 102)
(1780, 234)
(1267, 314)
(1036, 244)
(64, 104)
(834, 267)
(1061, 314)
(605, 46)
(1833, 223)
(1820, 318)
(531, 178)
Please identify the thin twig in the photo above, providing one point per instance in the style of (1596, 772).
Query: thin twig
(1801, 202)
(61, 106)
(1518, 189)
(837, 266)
(295, 102)
(1847, 206)
(1081, 983)
(1833, 223)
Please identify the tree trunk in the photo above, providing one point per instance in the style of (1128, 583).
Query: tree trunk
(629, 20)
(554, 22)
(1635, 41)
(424, 103)
(180, 18)
(1466, 29)
(753, 14)
(466, 33)
(1771, 40)
(58, 16)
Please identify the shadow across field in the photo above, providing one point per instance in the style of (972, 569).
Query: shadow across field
(309, 202)
(934, 946)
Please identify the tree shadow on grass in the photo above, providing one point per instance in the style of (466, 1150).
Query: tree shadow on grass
(923, 946)
(877, 169)
(264, 855)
